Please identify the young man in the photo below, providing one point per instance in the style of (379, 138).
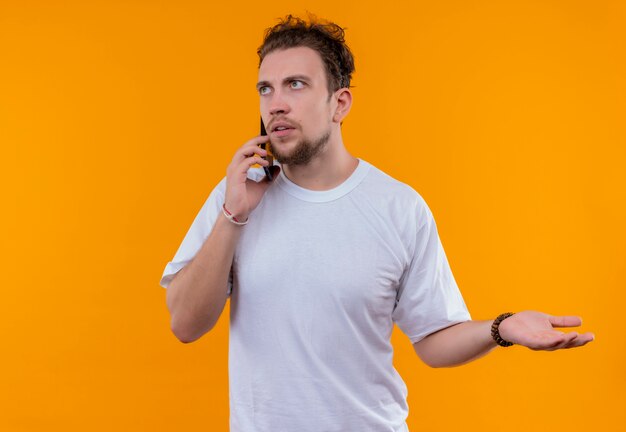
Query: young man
(322, 261)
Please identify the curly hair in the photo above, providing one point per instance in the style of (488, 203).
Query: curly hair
(322, 36)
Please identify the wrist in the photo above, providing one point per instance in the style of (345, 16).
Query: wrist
(235, 218)
(495, 330)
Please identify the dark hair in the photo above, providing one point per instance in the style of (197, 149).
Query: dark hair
(322, 36)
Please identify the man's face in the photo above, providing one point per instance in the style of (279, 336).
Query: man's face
(294, 94)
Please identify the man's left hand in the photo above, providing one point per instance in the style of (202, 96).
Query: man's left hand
(536, 331)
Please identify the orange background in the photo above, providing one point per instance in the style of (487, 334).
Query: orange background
(118, 117)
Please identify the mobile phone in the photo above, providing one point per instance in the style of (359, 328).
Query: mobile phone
(269, 158)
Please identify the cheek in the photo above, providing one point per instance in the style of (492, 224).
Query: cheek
(264, 110)
(326, 110)
(321, 113)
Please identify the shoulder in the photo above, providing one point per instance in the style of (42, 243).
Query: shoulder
(394, 193)
(393, 207)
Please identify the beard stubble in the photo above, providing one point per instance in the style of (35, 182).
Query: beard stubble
(304, 151)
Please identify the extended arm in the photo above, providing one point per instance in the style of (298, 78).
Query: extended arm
(470, 340)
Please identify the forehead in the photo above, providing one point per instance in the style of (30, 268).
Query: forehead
(291, 61)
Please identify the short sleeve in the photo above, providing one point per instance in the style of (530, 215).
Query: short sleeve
(196, 235)
(428, 297)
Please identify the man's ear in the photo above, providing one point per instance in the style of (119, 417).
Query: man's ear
(344, 103)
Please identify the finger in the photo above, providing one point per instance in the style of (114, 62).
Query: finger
(575, 344)
(251, 147)
(556, 340)
(248, 151)
(240, 170)
(565, 321)
(259, 139)
(244, 166)
(581, 340)
(585, 338)
(569, 338)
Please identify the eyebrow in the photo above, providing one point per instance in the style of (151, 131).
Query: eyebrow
(285, 81)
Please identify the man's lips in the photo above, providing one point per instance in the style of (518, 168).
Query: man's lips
(282, 133)
(281, 128)
(280, 124)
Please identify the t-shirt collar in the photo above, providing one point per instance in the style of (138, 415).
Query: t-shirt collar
(327, 195)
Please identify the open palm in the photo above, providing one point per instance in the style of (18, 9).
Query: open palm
(536, 330)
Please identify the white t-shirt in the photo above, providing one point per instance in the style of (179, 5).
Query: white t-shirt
(318, 280)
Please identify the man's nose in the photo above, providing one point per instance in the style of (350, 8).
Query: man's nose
(278, 104)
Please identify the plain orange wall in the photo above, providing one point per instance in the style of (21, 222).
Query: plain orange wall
(118, 117)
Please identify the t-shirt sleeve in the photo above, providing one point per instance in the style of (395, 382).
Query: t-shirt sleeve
(428, 297)
(196, 235)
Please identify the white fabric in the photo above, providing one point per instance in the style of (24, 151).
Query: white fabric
(319, 278)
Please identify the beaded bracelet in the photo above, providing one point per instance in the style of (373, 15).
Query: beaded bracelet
(230, 216)
(495, 333)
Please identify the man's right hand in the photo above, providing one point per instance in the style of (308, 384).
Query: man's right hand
(243, 194)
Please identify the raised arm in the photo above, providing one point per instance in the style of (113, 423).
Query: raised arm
(197, 295)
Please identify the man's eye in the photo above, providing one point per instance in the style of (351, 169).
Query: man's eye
(264, 90)
(296, 84)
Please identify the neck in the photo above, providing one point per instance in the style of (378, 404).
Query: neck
(327, 170)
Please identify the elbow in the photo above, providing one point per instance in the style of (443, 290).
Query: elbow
(428, 361)
(432, 364)
(426, 353)
(440, 365)
(181, 334)
(187, 333)
(184, 338)
(181, 325)
(443, 362)
(188, 326)
(432, 359)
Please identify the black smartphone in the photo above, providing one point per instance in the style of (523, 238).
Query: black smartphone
(269, 158)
